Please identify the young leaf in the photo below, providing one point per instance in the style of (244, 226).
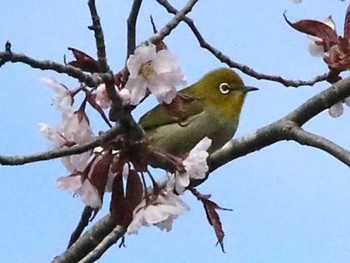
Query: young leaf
(134, 191)
(210, 208)
(84, 61)
(99, 172)
(316, 29)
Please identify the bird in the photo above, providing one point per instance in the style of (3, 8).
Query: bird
(210, 108)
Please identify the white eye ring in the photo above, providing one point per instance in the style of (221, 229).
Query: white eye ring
(224, 88)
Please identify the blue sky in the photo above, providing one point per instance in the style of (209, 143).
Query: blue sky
(291, 203)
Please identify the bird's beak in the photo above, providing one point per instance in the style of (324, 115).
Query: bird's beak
(249, 89)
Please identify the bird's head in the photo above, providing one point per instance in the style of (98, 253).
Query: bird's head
(223, 90)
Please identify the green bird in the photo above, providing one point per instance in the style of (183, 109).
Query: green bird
(214, 113)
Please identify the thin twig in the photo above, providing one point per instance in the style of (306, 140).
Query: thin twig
(179, 16)
(132, 19)
(100, 42)
(91, 80)
(49, 155)
(244, 68)
(84, 221)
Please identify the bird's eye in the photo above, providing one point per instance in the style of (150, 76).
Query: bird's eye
(224, 88)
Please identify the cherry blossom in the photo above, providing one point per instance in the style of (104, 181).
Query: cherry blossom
(153, 71)
(74, 128)
(195, 165)
(159, 211)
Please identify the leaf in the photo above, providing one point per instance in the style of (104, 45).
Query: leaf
(210, 208)
(99, 170)
(316, 29)
(84, 61)
(118, 203)
(134, 190)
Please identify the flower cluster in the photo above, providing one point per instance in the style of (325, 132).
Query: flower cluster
(109, 168)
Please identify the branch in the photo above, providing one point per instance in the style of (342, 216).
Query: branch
(92, 80)
(244, 68)
(132, 26)
(179, 16)
(88, 242)
(306, 138)
(106, 243)
(49, 155)
(100, 42)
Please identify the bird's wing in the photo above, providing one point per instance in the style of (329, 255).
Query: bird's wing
(163, 115)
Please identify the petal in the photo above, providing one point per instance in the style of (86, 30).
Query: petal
(89, 195)
(145, 53)
(347, 101)
(134, 65)
(182, 180)
(164, 62)
(336, 110)
(137, 88)
(314, 49)
(137, 222)
(69, 183)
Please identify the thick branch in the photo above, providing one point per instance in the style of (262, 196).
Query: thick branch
(88, 242)
(309, 139)
(106, 243)
(244, 68)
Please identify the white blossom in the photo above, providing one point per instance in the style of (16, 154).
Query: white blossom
(195, 165)
(160, 212)
(155, 71)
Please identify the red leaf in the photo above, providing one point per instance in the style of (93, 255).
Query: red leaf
(214, 220)
(347, 24)
(317, 29)
(99, 170)
(84, 61)
(134, 190)
(118, 204)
